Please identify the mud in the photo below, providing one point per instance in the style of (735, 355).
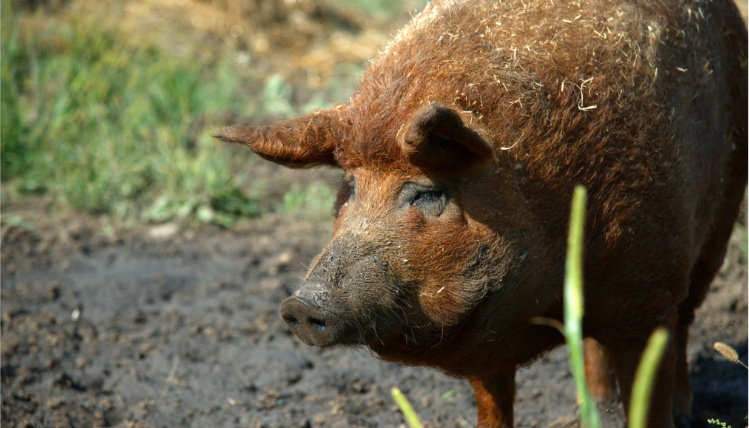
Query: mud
(107, 325)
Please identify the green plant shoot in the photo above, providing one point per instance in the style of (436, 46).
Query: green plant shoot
(406, 408)
(573, 308)
(643, 386)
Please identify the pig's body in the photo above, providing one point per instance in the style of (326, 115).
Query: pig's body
(461, 147)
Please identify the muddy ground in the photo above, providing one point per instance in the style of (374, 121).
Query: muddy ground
(160, 326)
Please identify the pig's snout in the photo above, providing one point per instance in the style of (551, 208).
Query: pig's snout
(313, 324)
(333, 306)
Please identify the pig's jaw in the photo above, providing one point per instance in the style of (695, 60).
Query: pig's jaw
(317, 325)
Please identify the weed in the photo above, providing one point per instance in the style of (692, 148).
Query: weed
(573, 308)
(313, 201)
(107, 126)
(277, 96)
(406, 408)
(384, 8)
(731, 355)
(728, 353)
(719, 423)
(642, 387)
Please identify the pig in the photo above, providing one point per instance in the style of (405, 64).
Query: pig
(460, 149)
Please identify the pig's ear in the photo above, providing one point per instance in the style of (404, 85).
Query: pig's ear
(439, 139)
(300, 142)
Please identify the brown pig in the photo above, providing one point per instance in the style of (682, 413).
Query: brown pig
(461, 147)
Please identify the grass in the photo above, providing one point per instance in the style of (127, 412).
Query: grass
(408, 411)
(384, 8)
(728, 353)
(731, 355)
(107, 126)
(642, 388)
(719, 423)
(101, 123)
(314, 201)
(573, 308)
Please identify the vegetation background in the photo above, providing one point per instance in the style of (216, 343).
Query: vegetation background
(108, 107)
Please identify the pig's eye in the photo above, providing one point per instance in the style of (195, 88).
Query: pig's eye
(433, 201)
(428, 201)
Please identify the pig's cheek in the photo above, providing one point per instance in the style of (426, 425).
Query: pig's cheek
(440, 305)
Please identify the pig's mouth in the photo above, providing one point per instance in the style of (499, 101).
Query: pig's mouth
(315, 325)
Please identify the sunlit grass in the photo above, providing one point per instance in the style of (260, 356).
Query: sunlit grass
(408, 411)
(107, 125)
(573, 308)
(314, 201)
(642, 388)
(384, 8)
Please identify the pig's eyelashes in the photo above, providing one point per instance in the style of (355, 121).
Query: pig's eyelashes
(431, 202)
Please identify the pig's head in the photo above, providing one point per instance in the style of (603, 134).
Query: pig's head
(421, 243)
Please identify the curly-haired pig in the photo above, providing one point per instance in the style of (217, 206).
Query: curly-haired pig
(461, 147)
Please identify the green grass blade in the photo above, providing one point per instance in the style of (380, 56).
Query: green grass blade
(406, 408)
(573, 279)
(646, 371)
(573, 308)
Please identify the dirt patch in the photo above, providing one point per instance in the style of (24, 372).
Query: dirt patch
(110, 326)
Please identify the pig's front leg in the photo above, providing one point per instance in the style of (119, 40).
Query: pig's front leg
(495, 397)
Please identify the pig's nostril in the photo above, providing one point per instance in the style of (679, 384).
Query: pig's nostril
(312, 323)
(317, 324)
(291, 320)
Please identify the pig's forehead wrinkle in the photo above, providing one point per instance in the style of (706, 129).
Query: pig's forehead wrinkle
(372, 148)
(370, 233)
